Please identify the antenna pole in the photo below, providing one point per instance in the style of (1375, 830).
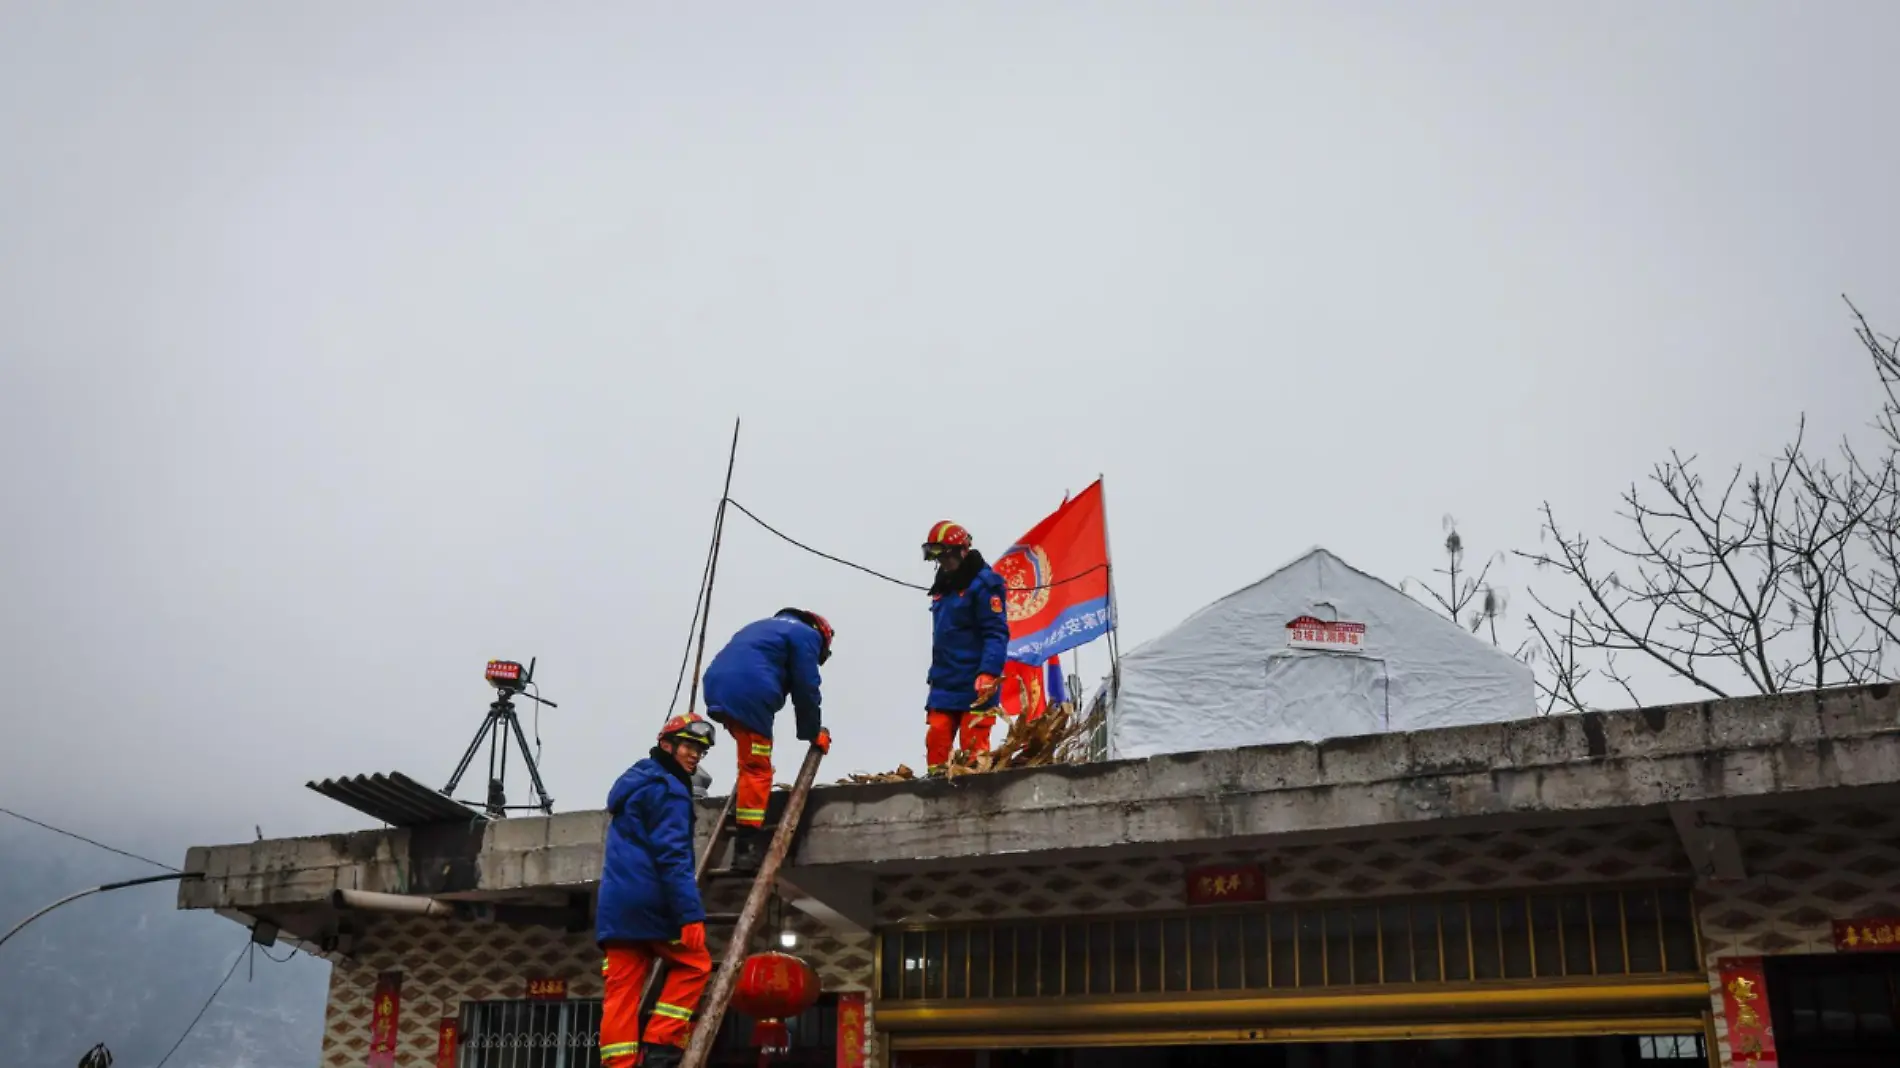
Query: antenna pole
(712, 572)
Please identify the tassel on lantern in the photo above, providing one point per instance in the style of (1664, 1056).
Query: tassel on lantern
(772, 1036)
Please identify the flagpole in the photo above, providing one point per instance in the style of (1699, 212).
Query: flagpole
(1114, 610)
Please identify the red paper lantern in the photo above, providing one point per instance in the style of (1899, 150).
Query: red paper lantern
(771, 987)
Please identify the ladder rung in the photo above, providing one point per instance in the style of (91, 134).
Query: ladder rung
(722, 917)
(731, 873)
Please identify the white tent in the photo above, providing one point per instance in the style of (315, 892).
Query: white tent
(1318, 649)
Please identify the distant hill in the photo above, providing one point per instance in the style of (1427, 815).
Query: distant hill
(127, 969)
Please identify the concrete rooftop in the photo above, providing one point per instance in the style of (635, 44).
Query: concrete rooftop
(1686, 759)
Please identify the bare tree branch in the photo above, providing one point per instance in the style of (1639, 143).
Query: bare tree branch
(1781, 578)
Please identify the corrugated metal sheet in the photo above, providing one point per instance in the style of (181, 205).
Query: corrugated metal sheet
(396, 799)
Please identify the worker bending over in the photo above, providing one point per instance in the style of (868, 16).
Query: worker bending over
(746, 685)
(649, 902)
(969, 607)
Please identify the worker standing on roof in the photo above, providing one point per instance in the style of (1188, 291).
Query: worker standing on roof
(746, 685)
(649, 905)
(969, 608)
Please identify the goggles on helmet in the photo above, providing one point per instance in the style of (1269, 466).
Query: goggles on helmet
(698, 731)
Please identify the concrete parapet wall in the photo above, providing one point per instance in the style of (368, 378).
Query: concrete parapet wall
(1548, 768)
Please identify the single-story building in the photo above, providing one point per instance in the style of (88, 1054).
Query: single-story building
(1687, 884)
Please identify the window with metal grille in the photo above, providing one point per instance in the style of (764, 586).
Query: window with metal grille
(1623, 932)
(566, 1034)
(1671, 1048)
(529, 1034)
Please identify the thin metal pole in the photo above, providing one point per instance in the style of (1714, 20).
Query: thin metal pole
(172, 877)
(1114, 614)
(712, 1007)
(712, 570)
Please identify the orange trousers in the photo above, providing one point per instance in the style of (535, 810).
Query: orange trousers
(754, 787)
(971, 729)
(625, 971)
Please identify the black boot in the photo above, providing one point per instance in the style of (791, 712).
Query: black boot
(748, 848)
(652, 1056)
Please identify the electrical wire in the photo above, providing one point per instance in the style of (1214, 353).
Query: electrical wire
(206, 1007)
(286, 959)
(821, 553)
(699, 603)
(1077, 577)
(83, 838)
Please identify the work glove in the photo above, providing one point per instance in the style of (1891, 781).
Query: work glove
(692, 936)
(822, 743)
(985, 689)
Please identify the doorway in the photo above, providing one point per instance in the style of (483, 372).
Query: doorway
(1609, 1051)
(1835, 1010)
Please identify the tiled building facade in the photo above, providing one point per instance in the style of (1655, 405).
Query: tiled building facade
(1806, 869)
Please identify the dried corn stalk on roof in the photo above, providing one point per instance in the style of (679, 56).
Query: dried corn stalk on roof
(1058, 736)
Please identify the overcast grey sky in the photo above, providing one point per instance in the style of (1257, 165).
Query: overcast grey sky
(347, 346)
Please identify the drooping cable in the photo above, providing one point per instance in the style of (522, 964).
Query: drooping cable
(83, 838)
(788, 539)
(692, 628)
(206, 1007)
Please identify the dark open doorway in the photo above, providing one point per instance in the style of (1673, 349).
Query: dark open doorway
(1835, 1010)
(1615, 1051)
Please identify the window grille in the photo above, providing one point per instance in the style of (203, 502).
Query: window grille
(529, 1034)
(1671, 1048)
(1540, 935)
(566, 1034)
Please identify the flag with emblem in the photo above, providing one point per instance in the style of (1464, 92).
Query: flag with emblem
(1057, 576)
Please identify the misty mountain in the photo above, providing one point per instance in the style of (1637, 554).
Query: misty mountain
(127, 969)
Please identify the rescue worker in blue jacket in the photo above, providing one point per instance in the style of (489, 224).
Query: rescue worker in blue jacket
(969, 641)
(747, 683)
(649, 906)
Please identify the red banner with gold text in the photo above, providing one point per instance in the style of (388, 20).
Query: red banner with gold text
(385, 1019)
(1751, 1034)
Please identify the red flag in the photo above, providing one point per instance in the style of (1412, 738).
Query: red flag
(1058, 579)
(1022, 691)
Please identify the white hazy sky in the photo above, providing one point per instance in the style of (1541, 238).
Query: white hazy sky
(347, 346)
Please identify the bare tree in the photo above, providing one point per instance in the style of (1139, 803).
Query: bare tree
(1477, 603)
(1467, 599)
(1874, 587)
(1753, 582)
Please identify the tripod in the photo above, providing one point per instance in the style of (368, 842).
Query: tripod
(501, 723)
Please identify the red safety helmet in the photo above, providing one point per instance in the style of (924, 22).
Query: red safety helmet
(945, 535)
(689, 727)
(818, 623)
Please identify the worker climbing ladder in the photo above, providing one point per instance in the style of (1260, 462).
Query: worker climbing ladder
(745, 923)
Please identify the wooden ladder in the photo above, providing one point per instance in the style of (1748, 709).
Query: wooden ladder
(745, 923)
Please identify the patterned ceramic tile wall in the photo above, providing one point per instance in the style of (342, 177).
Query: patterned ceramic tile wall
(1627, 851)
(1806, 869)
(445, 963)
